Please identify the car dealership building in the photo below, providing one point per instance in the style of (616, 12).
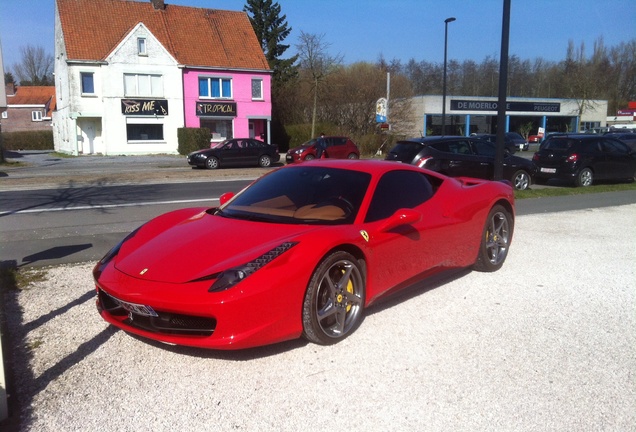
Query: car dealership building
(465, 115)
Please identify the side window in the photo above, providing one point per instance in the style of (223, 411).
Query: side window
(611, 146)
(88, 84)
(396, 190)
(443, 147)
(257, 89)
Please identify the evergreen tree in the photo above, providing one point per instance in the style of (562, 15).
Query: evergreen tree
(271, 29)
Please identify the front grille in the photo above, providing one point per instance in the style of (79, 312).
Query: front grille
(177, 324)
(167, 323)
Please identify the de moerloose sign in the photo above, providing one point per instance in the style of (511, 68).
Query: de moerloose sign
(144, 107)
(473, 105)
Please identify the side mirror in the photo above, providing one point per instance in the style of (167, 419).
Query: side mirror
(226, 197)
(401, 217)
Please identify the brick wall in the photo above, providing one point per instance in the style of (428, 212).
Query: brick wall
(19, 119)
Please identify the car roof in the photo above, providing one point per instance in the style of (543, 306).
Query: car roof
(372, 166)
(430, 139)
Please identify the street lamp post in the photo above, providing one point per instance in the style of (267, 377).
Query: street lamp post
(446, 21)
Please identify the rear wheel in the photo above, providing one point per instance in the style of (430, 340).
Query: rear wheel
(495, 240)
(521, 180)
(212, 163)
(264, 161)
(334, 301)
(584, 178)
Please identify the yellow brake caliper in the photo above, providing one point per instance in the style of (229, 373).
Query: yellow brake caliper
(349, 290)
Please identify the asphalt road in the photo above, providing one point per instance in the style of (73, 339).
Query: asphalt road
(56, 210)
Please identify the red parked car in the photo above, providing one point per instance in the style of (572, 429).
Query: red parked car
(338, 147)
(300, 252)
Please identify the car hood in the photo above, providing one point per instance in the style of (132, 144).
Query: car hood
(199, 246)
(302, 147)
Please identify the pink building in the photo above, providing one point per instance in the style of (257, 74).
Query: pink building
(229, 103)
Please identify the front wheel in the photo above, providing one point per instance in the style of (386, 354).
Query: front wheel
(212, 163)
(584, 178)
(264, 161)
(310, 157)
(521, 180)
(352, 156)
(334, 301)
(495, 240)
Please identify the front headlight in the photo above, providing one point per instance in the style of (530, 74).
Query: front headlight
(228, 278)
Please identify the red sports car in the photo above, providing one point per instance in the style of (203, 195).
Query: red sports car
(300, 252)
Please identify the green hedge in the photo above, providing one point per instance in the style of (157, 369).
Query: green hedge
(193, 139)
(29, 140)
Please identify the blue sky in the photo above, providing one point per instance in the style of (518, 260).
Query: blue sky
(364, 30)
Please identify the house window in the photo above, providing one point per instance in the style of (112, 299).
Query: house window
(5, 114)
(36, 116)
(220, 129)
(141, 46)
(218, 88)
(143, 85)
(144, 132)
(257, 89)
(88, 84)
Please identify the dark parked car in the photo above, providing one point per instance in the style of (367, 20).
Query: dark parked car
(584, 158)
(512, 140)
(338, 147)
(237, 151)
(458, 156)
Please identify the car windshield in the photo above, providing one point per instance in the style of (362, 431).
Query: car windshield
(301, 195)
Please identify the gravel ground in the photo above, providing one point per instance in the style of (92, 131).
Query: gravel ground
(546, 343)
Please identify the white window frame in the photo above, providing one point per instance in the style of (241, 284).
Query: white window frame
(5, 114)
(220, 80)
(36, 116)
(92, 75)
(142, 47)
(258, 81)
(137, 82)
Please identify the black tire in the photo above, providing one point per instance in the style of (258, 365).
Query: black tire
(521, 180)
(584, 178)
(310, 157)
(211, 163)
(334, 302)
(264, 161)
(352, 156)
(495, 240)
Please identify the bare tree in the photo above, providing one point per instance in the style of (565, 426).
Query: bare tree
(36, 67)
(316, 64)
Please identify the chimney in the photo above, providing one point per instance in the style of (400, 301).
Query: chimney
(158, 4)
(10, 89)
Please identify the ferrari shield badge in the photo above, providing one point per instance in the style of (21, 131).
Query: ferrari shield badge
(365, 235)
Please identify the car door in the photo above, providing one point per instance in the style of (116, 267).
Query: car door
(230, 153)
(421, 245)
(336, 147)
(250, 151)
(618, 164)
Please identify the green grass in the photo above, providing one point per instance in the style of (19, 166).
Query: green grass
(16, 279)
(571, 190)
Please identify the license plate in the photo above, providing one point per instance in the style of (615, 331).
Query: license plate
(288, 158)
(135, 308)
(548, 170)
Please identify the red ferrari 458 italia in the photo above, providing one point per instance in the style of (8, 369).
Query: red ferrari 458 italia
(302, 251)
